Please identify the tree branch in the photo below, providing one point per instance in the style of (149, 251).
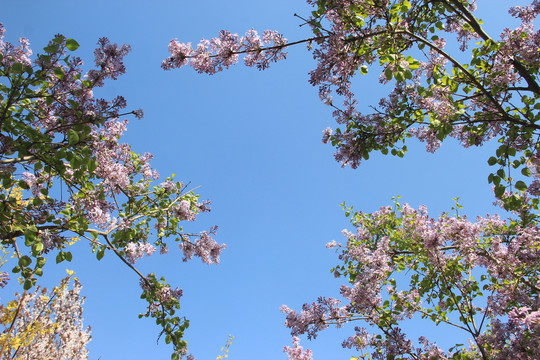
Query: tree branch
(473, 22)
(18, 160)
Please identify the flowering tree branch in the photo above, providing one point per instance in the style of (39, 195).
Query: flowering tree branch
(54, 132)
(434, 97)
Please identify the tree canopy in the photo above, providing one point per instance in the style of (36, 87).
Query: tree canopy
(66, 177)
(450, 79)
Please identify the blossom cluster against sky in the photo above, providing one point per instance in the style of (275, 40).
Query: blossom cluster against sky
(252, 141)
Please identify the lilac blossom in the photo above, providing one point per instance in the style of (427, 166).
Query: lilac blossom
(32, 182)
(297, 352)
(326, 135)
(212, 56)
(332, 244)
(315, 317)
(166, 294)
(4, 277)
(183, 211)
(109, 60)
(135, 251)
(344, 46)
(11, 54)
(205, 247)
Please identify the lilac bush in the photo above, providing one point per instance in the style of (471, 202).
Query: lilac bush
(435, 96)
(479, 277)
(55, 134)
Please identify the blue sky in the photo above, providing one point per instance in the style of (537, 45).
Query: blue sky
(252, 141)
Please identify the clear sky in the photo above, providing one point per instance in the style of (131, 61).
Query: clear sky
(252, 141)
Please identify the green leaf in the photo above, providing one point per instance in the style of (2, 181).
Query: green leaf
(23, 185)
(41, 262)
(72, 45)
(526, 172)
(92, 165)
(37, 248)
(363, 69)
(17, 68)
(51, 48)
(499, 190)
(27, 284)
(388, 73)
(29, 235)
(58, 39)
(100, 253)
(520, 185)
(73, 137)
(415, 65)
(25, 261)
(59, 72)
(406, 5)
(76, 162)
(503, 149)
(492, 161)
(26, 273)
(408, 74)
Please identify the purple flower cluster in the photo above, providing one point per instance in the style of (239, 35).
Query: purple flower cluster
(108, 59)
(4, 277)
(49, 240)
(204, 247)
(11, 54)
(183, 211)
(212, 56)
(135, 251)
(166, 294)
(297, 352)
(315, 317)
(32, 182)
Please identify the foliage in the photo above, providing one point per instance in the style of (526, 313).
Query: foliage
(482, 277)
(45, 325)
(435, 96)
(65, 176)
(226, 348)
